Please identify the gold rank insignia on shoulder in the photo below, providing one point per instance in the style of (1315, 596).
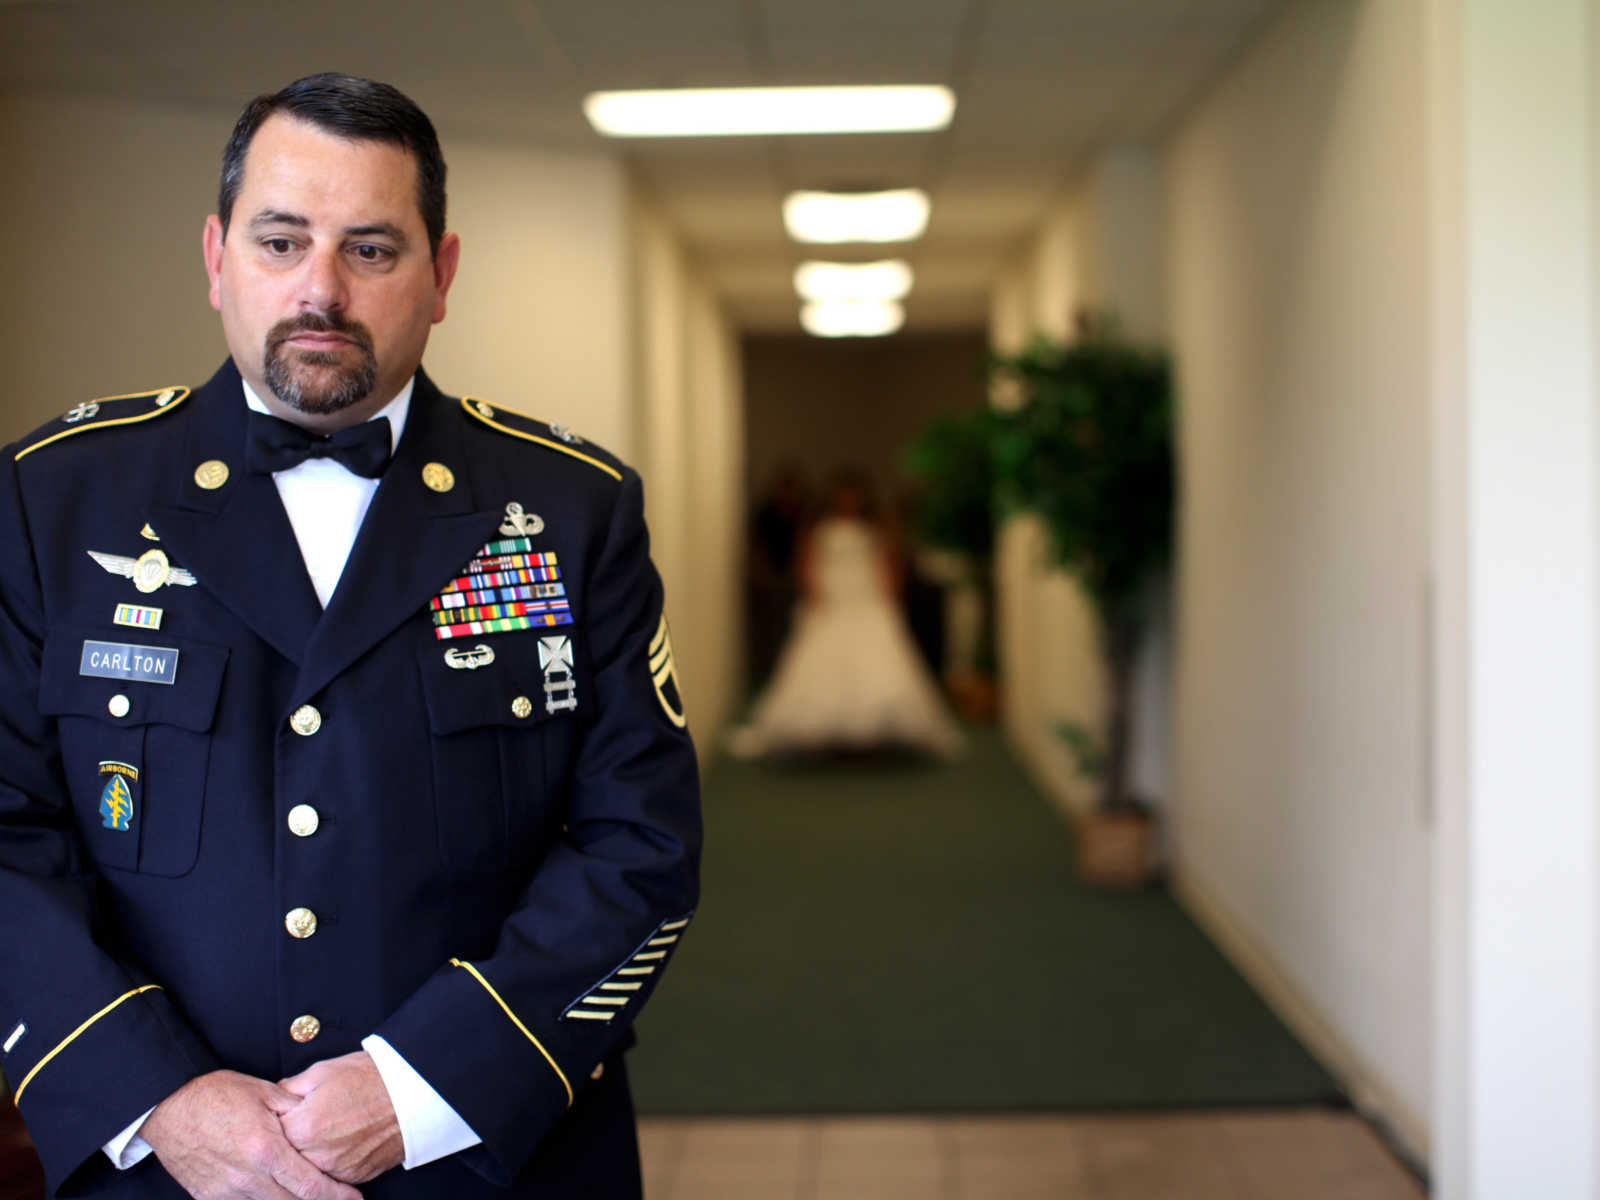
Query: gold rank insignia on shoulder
(530, 429)
(664, 675)
(106, 412)
(150, 571)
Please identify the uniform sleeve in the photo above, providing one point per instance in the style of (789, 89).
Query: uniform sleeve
(510, 1040)
(89, 1042)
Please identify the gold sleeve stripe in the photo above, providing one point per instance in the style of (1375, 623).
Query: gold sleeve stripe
(73, 1036)
(181, 394)
(466, 403)
(506, 1008)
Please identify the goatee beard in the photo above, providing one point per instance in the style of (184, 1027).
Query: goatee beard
(287, 375)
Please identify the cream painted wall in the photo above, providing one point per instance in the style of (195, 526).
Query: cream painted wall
(690, 419)
(1299, 279)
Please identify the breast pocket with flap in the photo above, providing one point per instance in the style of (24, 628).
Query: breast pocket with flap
(135, 720)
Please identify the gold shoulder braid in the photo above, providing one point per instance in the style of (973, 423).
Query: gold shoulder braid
(542, 433)
(107, 411)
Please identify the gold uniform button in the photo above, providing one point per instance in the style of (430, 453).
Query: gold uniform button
(211, 474)
(522, 707)
(303, 1029)
(118, 705)
(306, 720)
(438, 477)
(303, 820)
(300, 922)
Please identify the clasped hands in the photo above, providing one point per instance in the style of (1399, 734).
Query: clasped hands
(227, 1136)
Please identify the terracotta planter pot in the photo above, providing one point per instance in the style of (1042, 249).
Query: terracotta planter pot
(1116, 849)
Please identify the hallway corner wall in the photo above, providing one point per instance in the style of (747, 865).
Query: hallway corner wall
(1299, 300)
(688, 409)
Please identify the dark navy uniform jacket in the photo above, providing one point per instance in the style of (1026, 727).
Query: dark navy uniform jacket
(504, 853)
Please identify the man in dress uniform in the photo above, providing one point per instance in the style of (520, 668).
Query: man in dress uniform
(347, 810)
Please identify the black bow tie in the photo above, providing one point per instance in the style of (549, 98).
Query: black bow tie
(273, 444)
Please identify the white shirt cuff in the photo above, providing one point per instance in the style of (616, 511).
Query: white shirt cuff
(128, 1148)
(429, 1127)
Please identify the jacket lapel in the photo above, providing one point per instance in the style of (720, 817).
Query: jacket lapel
(413, 540)
(236, 538)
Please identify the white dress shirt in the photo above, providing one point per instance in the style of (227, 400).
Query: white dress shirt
(326, 504)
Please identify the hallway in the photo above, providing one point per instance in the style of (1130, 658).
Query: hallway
(1303, 1154)
(886, 936)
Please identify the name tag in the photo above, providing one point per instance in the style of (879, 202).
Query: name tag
(119, 660)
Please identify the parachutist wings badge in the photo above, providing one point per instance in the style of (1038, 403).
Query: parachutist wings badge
(149, 571)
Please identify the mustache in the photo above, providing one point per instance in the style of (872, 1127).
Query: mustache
(309, 322)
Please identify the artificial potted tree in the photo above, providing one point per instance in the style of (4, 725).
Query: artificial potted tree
(952, 464)
(1090, 452)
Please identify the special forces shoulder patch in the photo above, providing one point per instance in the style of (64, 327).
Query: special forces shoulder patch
(664, 675)
(611, 996)
(104, 413)
(542, 433)
(116, 800)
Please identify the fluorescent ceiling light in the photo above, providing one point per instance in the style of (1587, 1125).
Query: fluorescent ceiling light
(824, 281)
(834, 217)
(725, 112)
(852, 318)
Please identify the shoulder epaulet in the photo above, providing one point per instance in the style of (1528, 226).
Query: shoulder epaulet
(542, 433)
(105, 412)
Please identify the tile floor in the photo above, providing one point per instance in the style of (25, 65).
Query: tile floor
(1279, 1155)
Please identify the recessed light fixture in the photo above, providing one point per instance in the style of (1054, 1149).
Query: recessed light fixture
(731, 112)
(824, 281)
(852, 318)
(836, 217)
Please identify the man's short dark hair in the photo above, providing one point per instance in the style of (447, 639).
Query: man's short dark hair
(346, 106)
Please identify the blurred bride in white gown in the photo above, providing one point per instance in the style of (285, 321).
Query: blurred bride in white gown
(849, 676)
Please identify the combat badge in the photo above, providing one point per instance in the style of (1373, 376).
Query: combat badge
(151, 570)
(560, 689)
(116, 800)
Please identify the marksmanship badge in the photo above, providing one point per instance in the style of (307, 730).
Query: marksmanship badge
(555, 658)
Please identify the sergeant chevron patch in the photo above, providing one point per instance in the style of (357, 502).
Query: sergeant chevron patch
(664, 675)
(611, 995)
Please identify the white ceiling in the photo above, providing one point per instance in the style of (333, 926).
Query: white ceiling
(1040, 86)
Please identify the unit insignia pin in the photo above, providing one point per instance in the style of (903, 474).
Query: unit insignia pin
(149, 571)
(438, 477)
(485, 409)
(80, 412)
(211, 474)
(148, 533)
(116, 800)
(565, 434)
(165, 398)
(462, 659)
(519, 523)
(555, 659)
